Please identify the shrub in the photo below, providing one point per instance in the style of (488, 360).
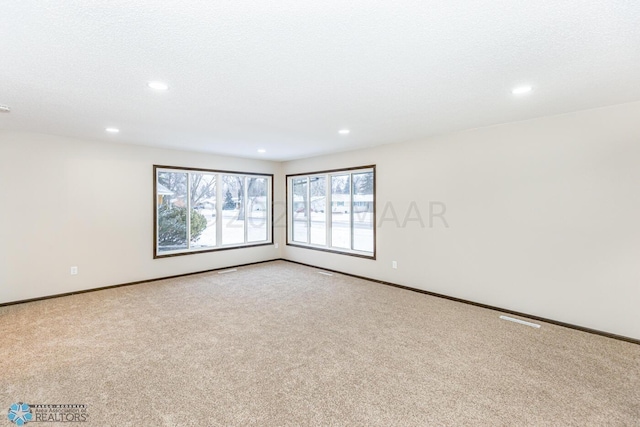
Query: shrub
(172, 225)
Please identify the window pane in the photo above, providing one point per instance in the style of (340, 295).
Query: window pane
(340, 211)
(300, 210)
(203, 210)
(233, 209)
(318, 188)
(172, 211)
(257, 213)
(362, 208)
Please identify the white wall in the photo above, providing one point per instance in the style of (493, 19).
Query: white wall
(68, 202)
(543, 215)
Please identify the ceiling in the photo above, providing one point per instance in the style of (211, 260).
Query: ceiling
(286, 75)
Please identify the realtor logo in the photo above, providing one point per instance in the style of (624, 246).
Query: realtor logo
(20, 413)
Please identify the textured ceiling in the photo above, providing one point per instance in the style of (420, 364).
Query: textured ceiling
(287, 75)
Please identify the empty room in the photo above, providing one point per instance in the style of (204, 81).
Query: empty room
(295, 213)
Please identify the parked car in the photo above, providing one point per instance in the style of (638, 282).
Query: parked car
(204, 205)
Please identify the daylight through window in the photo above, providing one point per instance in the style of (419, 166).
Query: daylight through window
(333, 210)
(203, 210)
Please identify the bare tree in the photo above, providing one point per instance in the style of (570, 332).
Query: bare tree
(363, 183)
(235, 184)
(203, 186)
(300, 189)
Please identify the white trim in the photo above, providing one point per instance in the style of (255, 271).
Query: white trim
(522, 322)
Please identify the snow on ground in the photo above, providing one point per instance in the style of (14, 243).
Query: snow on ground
(233, 229)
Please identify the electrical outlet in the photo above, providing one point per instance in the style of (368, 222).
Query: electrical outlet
(394, 264)
(74, 271)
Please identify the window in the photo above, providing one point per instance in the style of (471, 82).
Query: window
(205, 210)
(333, 211)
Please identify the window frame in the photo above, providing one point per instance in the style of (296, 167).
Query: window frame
(289, 205)
(219, 201)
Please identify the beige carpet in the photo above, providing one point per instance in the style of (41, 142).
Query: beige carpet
(278, 344)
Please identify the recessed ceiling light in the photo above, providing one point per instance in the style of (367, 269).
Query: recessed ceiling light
(112, 130)
(521, 90)
(262, 150)
(344, 131)
(156, 85)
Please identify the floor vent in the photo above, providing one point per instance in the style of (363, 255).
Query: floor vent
(231, 270)
(522, 322)
(325, 273)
